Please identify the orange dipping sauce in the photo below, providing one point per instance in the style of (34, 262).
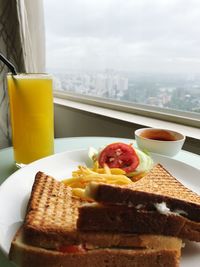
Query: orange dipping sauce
(158, 134)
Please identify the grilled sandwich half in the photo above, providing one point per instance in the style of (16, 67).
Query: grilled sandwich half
(49, 236)
(156, 204)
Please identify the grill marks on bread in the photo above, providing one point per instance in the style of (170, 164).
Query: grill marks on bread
(51, 205)
(160, 181)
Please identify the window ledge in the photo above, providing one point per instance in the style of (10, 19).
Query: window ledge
(188, 131)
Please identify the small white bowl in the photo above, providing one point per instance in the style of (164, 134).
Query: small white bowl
(161, 141)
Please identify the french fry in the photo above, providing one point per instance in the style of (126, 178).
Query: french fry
(95, 166)
(107, 169)
(80, 193)
(117, 171)
(84, 175)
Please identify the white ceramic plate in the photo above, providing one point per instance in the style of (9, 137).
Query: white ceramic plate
(15, 191)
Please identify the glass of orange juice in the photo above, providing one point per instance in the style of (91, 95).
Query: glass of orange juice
(32, 119)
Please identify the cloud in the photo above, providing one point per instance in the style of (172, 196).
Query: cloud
(129, 35)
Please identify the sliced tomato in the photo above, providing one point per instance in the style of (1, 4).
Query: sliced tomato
(72, 249)
(119, 155)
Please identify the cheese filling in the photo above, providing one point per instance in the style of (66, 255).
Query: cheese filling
(163, 209)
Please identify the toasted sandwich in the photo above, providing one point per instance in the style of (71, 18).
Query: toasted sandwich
(49, 236)
(156, 204)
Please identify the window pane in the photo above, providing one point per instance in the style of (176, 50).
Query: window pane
(140, 51)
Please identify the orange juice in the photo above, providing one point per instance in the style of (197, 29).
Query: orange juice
(31, 108)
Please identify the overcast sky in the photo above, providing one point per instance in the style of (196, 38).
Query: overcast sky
(129, 35)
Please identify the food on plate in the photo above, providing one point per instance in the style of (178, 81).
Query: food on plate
(83, 176)
(49, 236)
(156, 204)
(133, 161)
(117, 163)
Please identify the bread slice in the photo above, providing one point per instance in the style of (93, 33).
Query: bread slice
(26, 255)
(159, 186)
(51, 214)
(123, 219)
(51, 221)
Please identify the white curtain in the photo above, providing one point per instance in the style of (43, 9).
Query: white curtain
(31, 18)
(22, 41)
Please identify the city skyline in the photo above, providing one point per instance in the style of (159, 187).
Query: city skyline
(173, 92)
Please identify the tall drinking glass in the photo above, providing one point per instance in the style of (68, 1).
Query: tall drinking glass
(31, 109)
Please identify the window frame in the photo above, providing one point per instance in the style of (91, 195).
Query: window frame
(176, 116)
